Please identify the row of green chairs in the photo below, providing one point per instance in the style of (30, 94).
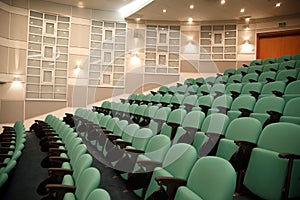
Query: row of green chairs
(12, 141)
(232, 130)
(69, 165)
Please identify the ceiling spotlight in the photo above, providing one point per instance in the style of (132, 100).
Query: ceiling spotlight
(164, 10)
(138, 19)
(223, 2)
(190, 19)
(277, 4)
(247, 19)
(242, 10)
(191, 6)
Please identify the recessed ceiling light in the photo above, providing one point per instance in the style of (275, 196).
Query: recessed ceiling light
(278, 5)
(190, 19)
(242, 10)
(164, 10)
(191, 6)
(223, 2)
(138, 19)
(247, 19)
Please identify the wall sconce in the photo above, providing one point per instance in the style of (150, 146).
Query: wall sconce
(134, 58)
(77, 69)
(16, 82)
(247, 47)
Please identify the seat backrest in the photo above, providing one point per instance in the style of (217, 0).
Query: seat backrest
(217, 88)
(215, 123)
(284, 74)
(271, 67)
(245, 101)
(251, 87)
(236, 77)
(141, 138)
(119, 127)
(291, 64)
(229, 72)
(269, 103)
(284, 58)
(278, 86)
(156, 98)
(189, 81)
(236, 87)
(190, 100)
(179, 160)
(163, 89)
(129, 132)
(87, 182)
(292, 108)
(223, 101)
(82, 163)
(266, 173)
(255, 69)
(166, 98)
(256, 62)
(269, 61)
(236, 131)
(97, 194)
(266, 75)
(293, 88)
(250, 77)
(157, 147)
(210, 178)
(193, 119)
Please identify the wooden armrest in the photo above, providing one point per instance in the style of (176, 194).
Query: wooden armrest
(3, 155)
(6, 149)
(59, 190)
(258, 72)
(57, 151)
(204, 93)
(218, 93)
(270, 80)
(277, 93)
(56, 144)
(121, 143)
(107, 131)
(113, 137)
(236, 81)
(242, 143)
(289, 156)
(59, 172)
(172, 184)
(58, 159)
(254, 93)
(245, 112)
(134, 150)
(274, 113)
(289, 67)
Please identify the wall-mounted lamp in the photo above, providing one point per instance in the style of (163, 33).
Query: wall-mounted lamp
(77, 69)
(134, 58)
(16, 82)
(247, 47)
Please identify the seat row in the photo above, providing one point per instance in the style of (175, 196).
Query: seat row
(267, 142)
(69, 164)
(12, 141)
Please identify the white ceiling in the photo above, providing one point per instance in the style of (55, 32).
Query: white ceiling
(204, 10)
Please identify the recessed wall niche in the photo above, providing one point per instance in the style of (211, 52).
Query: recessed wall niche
(47, 56)
(107, 54)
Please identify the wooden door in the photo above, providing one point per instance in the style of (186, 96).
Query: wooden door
(278, 44)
